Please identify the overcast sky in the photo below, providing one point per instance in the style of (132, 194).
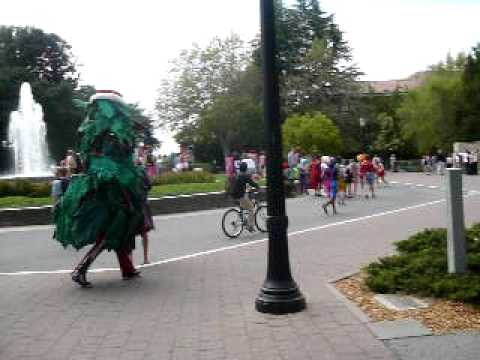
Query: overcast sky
(127, 45)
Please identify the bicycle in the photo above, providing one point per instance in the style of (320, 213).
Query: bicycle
(235, 219)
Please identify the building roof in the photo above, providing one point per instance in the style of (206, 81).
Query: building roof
(390, 86)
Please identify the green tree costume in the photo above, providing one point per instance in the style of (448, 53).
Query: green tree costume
(103, 206)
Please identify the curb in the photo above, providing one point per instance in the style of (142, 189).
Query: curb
(367, 321)
(42, 215)
(354, 309)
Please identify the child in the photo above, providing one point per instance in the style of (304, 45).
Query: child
(349, 179)
(331, 178)
(381, 173)
(369, 171)
(342, 185)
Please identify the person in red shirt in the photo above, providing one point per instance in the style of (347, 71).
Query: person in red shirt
(315, 174)
(367, 173)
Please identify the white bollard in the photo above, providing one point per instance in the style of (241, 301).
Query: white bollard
(456, 244)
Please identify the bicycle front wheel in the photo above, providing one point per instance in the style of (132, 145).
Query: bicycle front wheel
(232, 223)
(261, 218)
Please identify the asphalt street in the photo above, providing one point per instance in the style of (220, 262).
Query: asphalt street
(33, 249)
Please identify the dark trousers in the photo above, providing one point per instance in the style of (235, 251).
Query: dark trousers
(123, 256)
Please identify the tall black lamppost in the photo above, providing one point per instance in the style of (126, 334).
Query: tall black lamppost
(279, 293)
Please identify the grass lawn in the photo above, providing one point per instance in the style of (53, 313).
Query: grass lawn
(23, 201)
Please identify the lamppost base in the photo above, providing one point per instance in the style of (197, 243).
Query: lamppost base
(280, 300)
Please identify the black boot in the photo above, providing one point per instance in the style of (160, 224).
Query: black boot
(80, 277)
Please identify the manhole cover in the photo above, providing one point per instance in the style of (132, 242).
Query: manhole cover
(400, 302)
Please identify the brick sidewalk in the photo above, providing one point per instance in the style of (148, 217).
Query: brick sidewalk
(203, 308)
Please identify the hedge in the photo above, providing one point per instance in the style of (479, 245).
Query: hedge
(420, 267)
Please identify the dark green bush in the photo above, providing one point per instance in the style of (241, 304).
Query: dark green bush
(185, 177)
(7, 188)
(42, 189)
(420, 267)
(24, 187)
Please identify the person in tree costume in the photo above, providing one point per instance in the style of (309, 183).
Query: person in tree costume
(103, 206)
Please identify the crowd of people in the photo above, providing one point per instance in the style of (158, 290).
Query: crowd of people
(334, 178)
(439, 161)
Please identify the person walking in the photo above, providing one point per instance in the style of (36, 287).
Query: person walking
(368, 169)
(148, 224)
(441, 161)
(103, 207)
(315, 174)
(381, 173)
(331, 186)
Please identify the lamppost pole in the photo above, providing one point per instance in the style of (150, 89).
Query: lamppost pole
(279, 293)
(362, 123)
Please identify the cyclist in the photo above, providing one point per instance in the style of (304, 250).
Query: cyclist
(239, 193)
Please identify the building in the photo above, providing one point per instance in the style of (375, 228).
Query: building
(389, 86)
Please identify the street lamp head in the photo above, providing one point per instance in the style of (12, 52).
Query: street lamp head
(362, 122)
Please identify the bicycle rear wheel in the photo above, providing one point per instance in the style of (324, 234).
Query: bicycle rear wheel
(232, 223)
(261, 218)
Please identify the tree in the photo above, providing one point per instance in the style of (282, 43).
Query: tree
(45, 60)
(313, 59)
(471, 93)
(198, 76)
(431, 115)
(147, 126)
(321, 84)
(389, 138)
(314, 134)
(234, 120)
(315, 67)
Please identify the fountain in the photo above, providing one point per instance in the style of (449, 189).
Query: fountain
(27, 135)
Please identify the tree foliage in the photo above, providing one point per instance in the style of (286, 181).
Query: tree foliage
(389, 138)
(197, 77)
(45, 60)
(147, 126)
(314, 134)
(471, 94)
(212, 98)
(315, 67)
(432, 115)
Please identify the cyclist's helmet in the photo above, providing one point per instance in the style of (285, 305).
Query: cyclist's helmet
(243, 167)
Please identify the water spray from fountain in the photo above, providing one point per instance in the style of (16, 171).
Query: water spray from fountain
(27, 134)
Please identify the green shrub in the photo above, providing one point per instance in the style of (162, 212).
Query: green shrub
(24, 187)
(420, 267)
(185, 177)
(7, 188)
(42, 189)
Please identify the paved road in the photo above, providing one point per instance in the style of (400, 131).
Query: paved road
(202, 307)
(32, 248)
